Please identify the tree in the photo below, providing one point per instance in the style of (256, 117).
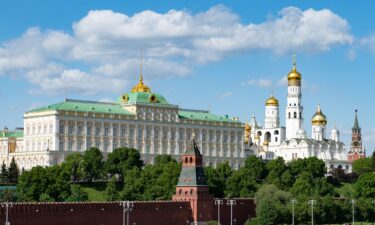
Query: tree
(7, 195)
(304, 186)
(271, 205)
(373, 161)
(365, 186)
(73, 165)
(111, 193)
(92, 164)
(133, 187)
(4, 173)
(77, 194)
(13, 171)
(121, 160)
(276, 169)
(362, 166)
(241, 184)
(217, 178)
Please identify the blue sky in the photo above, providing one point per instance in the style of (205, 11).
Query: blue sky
(225, 56)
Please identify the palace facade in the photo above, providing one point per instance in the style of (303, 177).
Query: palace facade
(139, 119)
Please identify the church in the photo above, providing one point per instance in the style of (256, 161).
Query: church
(291, 142)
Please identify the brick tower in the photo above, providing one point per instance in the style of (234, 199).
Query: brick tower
(356, 150)
(192, 185)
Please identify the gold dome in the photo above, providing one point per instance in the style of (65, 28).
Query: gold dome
(294, 77)
(141, 87)
(247, 127)
(319, 118)
(272, 101)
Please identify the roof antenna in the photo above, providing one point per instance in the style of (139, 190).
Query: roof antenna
(140, 66)
(65, 94)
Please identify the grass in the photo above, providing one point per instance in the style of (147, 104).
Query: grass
(346, 190)
(96, 191)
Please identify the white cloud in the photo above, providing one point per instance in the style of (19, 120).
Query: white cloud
(225, 94)
(262, 83)
(104, 45)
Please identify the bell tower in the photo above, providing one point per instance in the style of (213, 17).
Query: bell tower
(192, 185)
(356, 150)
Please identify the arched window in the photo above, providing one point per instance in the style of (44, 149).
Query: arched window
(191, 159)
(276, 139)
(191, 191)
(186, 160)
(300, 115)
(295, 115)
(289, 115)
(276, 132)
(180, 192)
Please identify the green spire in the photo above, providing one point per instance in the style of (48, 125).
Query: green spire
(192, 147)
(356, 124)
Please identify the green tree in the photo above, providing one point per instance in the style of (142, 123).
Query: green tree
(13, 171)
(362, 166)
(111, 192)
(31, 184)
(121, 160)
(8, 195)
(303, 186)
(217, 178)
(365, 186)
(312, 165)
(4, 173)
(276, 169)
(373, 161)
(160, 180)
(271, 203)
(44, 197)
(73, 165)
(241, 184)
(92, 164)
(133, 186)
(77, 194)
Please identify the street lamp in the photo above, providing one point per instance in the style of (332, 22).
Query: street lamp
(127, 206)
(231, 202)
(7, 205)
(293, 202)
(353, 205)
(218, 202)
(312, 203)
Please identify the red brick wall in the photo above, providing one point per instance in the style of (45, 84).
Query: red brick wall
(110, 213)
(144, 213)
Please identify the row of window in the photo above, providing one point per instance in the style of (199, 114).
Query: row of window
(158, 133)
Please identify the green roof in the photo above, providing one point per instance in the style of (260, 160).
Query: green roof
(85, 106)
(143, 97)
(192, 176)
(203, 115)
(12, 134)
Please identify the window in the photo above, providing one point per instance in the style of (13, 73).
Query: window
(156, 134)
(188, 136)
(88, 144)
(140, 132)
(70, 145)
(165, 134)
(45, 129)
(295, 115)
(97, 144)
(79, 146)
(225, 137)
(131, 133)
(106, 146)
(148, 133)
(88, 130)
(97, 130)
(106, 131)
(173, 134)
(61, 145)
(114, 145)
(50, 129)
(300, 115)
(204, 137)
(79, 129)
(289, 115)
(70, 129)
(61, 128)
(114, 131)
(123, 131)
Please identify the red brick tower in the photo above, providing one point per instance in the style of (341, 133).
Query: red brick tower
(192, 185)
(356, 150)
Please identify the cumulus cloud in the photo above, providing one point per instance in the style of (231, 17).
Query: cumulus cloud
(104, 45)
(262, 83)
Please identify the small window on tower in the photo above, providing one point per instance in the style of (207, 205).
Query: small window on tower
(295, 115)
(289, 115)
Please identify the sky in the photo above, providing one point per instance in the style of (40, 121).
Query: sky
(223, 56)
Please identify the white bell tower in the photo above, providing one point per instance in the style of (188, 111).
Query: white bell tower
(294, 109)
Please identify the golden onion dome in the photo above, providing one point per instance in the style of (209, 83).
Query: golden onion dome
(319, 118)
(247, 127)
(141, 87)
(294, 74)
(272, 101)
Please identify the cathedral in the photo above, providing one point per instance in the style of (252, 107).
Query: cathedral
(291, 142)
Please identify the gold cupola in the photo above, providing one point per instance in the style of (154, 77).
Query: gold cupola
(319, 118)
(272, 101)
(294, 77)
(141, 87)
